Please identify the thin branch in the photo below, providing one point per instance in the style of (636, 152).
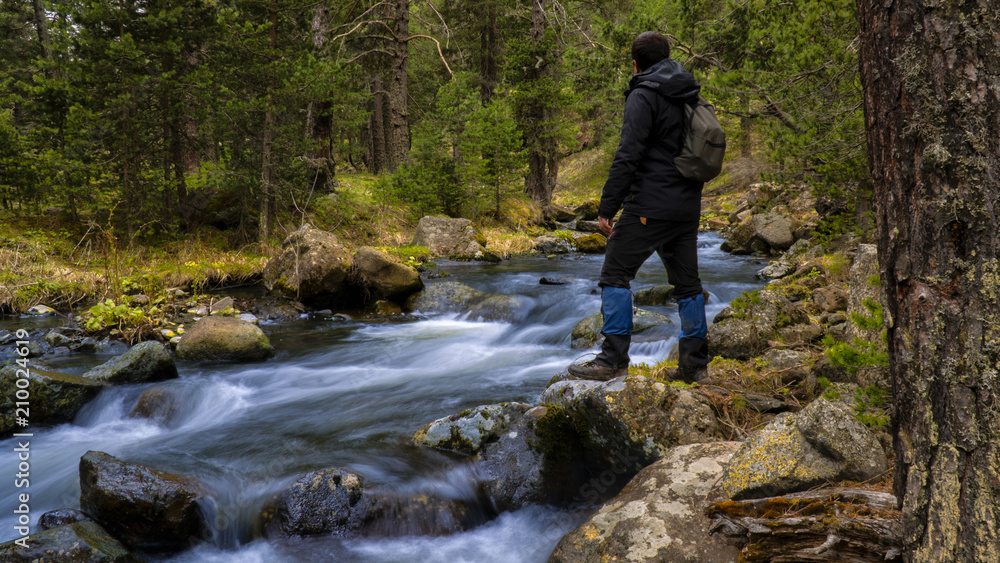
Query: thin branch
(440, 53)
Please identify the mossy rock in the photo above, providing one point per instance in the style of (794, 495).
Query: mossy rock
(79, 542)
(656, 295)
(313, 266)
(592, 244)
(224, 339)
(444, 297)
(55, 397)
(144, 362)
(385, 275)
(468, 431)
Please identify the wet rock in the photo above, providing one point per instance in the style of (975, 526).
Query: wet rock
(62, 517)
(388, 516)
(277, 309)
(63, 336)
(555, 280)
(159, 404)
(634, 417)
(658, 516)
(387, 308)
(144, 362)
(322, 502)
(587, 210)
(444, 236)
(656, 295)
(503, 308)
(41, 311)
(445, 297)
(830, 299)
(385, 275)
(55, 397)
(588, 226)
(821, 443)
(592, 244)
(741, 331)
(587, 332)
(467, 432)
(548, 244)
(79, 542)
(774, 229)
(143, 507)
(313, 266)
(224, 339)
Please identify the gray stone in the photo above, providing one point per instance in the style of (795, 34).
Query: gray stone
(588, 210)
(323, 502)
(143, 507)
(385, 275)
(558, 213)
(445, 236)
(502, 308)
(62, 517)
(468, 431)
(313, 266)
(588, 226)
(222, 305)
(777, 270)
(775, 229)
(864, 285)
(658, 516)
(79, 542)
(144, 362)
(740, 237)
(830, 298)
(224, 339)
(742, 330)
(634, 417)
(820, 444)
(548, 244)
(656, 295)
(445, 297)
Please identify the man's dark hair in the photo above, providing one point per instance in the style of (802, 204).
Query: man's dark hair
(649, 48)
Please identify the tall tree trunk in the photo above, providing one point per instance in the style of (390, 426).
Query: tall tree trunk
(399, 89)
(543, 166)
(41, 25)
(932, 112)
(489, 40)
(377, 157)
(267, 152)
(318, 120)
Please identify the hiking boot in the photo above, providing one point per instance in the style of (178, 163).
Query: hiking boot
(689, 375)
(595, 371)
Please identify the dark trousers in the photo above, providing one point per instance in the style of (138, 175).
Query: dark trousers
(631, 243)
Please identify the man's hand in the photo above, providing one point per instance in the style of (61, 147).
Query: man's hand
(605, 225)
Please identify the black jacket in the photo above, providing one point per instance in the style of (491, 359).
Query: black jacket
(643, 175)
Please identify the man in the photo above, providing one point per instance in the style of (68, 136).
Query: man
(661, 213)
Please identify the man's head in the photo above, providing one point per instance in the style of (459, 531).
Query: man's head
(649, 48)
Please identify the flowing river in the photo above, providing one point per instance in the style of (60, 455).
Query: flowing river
(348, 393)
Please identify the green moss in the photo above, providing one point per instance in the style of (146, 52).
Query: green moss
(559, 438)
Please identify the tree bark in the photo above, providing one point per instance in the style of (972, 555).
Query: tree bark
(399, 89)
(267, 152)
(319, 125)
(932, 113)
(543, 164)
(41, 25)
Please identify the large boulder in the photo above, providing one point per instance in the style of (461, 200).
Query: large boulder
(144, 362)
(224, 339)
(658, 516)
(741, 330)
(445, 297)
(385, 275)
(829, 299)
(79, 542)
(588, 210)
(468, 431)
(587, 332)
(634, 418)
(143, 507)
(740, 237)
(794, 452)
(313, 266)
(775, 229)
(55, 397)
(445, 236)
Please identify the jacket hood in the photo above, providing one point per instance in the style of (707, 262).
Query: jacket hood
(668, 79)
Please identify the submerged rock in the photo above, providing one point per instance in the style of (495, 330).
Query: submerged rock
(62, 517)
(79, 542)
(144, 362)
(157, 403)
(322, 502)
(822, 443)
(504, 308)
(143, 507)
(224, 339)
(656, 295)
(385, 275)
(634, 418)
(55, 397)
(658, 516)
(313, 266)
(445, 297)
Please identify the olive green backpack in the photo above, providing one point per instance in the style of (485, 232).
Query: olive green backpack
(704, 143)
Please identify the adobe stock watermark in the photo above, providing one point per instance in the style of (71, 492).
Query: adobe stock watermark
(21, 416)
